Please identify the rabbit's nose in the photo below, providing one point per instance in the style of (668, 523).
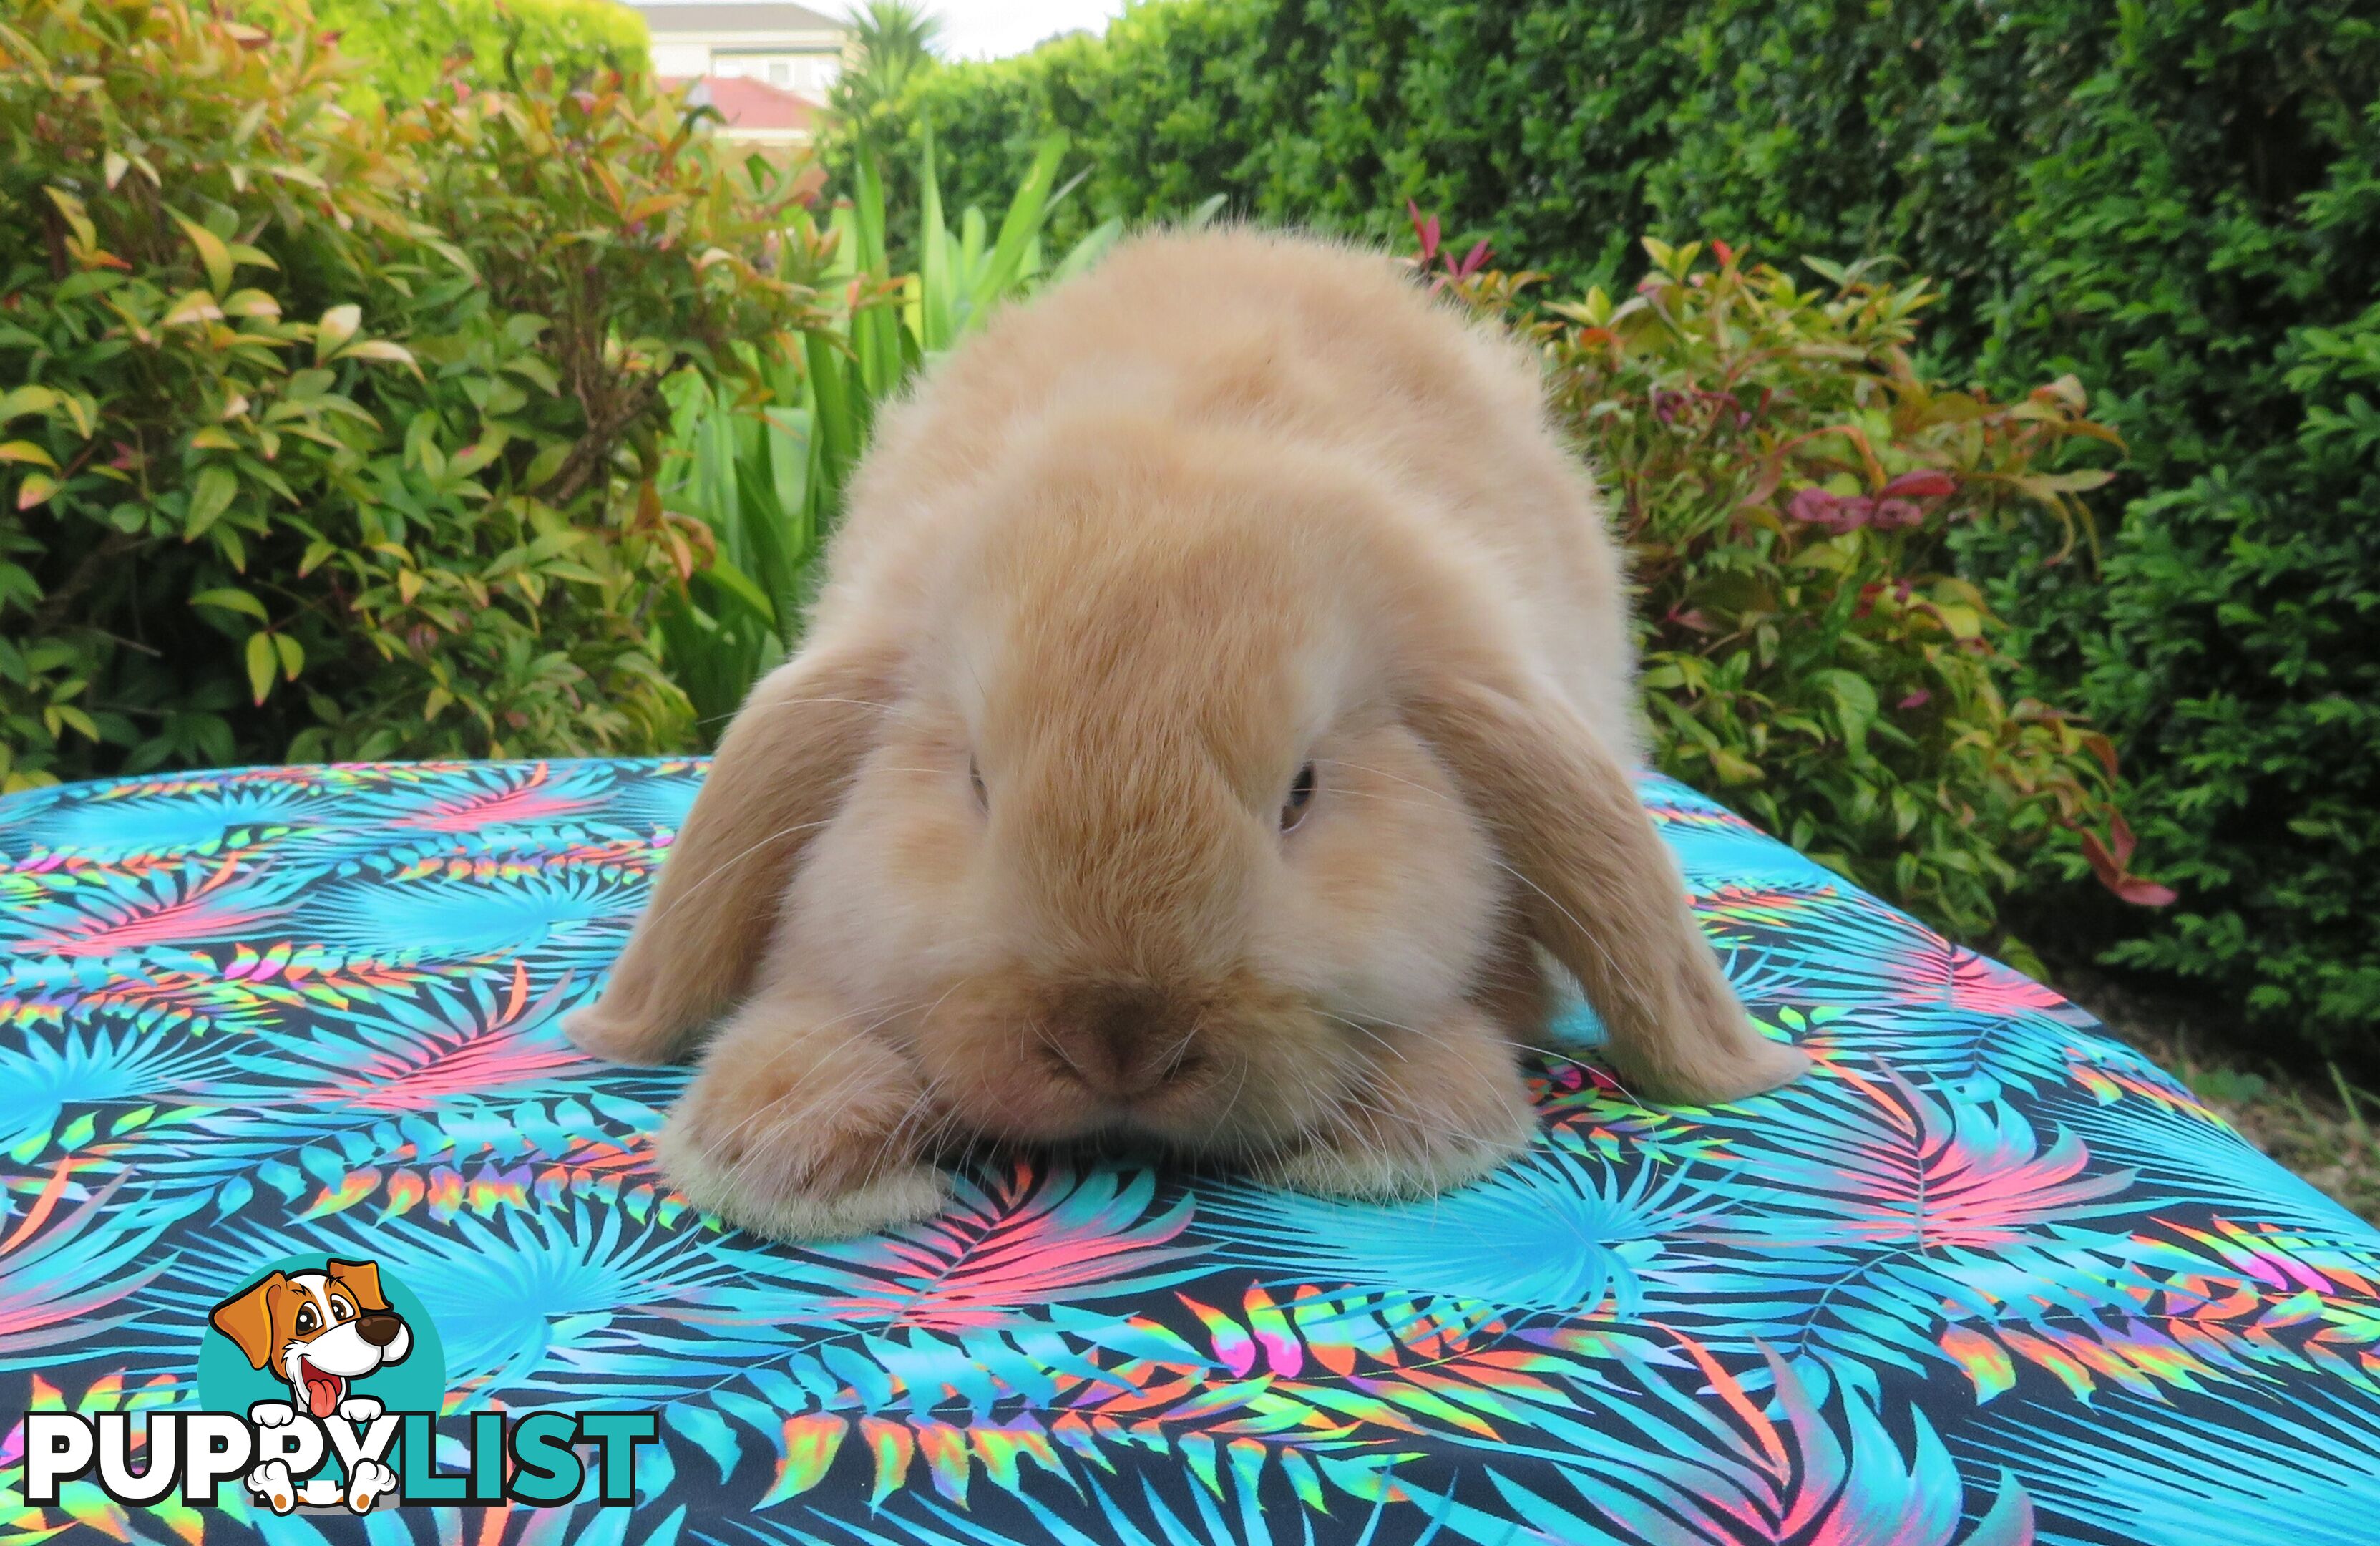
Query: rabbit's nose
(1122, 1039)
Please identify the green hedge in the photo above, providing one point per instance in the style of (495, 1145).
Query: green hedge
(405, 46)
(2176, 201)
(335, 434)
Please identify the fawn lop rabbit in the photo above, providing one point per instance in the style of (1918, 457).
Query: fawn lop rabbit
(1220, 696)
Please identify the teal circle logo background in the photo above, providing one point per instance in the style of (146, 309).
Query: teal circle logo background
(227, 1383)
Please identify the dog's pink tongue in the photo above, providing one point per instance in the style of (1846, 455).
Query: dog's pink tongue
(323, 1395)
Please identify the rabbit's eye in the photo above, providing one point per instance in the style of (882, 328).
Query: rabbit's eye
(1301, 794)
(975, 776)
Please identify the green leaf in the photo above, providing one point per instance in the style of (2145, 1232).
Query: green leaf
(1856, 706)
(545, 465)
(210, 497)
(37, 487)
(1733, 768)
(381, 349)
(259, 665)
(1026, 214)
(728, 578)
(26, 450)
(76, 216)
(212, 253)
(232, 601)
(537, 370)
(20, 401)
(1091, 248)
(338, 325)
(196, 306)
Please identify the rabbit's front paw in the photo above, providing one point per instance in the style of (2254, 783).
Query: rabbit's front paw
(802, 1145)
(1438, 1112)
(1385, 1166)
(619, 1029)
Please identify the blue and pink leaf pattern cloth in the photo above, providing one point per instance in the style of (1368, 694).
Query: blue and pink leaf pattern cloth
(1984, 1277)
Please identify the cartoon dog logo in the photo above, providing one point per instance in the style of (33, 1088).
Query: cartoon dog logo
(318, 1332)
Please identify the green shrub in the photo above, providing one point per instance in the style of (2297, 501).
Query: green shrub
(2176, 203)
(2205, 241)
(334, 434)
(2242, 654)
(406, 47)
(1785, 479)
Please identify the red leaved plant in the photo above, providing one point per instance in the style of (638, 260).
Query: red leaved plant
(1786, 480)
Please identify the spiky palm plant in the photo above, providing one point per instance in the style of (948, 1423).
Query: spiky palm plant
(892, 42)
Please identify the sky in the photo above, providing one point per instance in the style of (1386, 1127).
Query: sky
(988, 29)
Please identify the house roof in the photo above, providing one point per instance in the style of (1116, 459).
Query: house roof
(746, 104)
(730, 15)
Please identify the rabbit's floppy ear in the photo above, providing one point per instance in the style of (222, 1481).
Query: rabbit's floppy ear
(778, 775)
(1598, 888)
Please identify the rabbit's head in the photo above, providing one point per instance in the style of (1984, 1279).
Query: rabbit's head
(1144, 839)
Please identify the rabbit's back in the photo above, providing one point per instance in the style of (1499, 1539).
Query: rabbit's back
(1319, 345)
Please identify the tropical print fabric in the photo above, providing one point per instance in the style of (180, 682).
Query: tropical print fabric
(1984, 1277)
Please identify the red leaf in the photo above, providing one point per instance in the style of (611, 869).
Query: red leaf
(2114, 873)
(2122, 832)
(1425, 230)
(2102, 864)
(1927, 485)
(1917, 700)
(1830, 512)
(1471, 263)
(1726, 253)
(2104, 749)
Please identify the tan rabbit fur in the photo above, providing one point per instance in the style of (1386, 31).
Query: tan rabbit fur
(1015, 848)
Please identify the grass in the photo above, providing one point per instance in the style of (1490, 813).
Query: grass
(2314, 1120)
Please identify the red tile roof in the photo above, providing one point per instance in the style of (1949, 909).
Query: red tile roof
(748, 104)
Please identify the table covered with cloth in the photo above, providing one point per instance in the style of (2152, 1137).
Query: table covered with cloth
(1984, 1276)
